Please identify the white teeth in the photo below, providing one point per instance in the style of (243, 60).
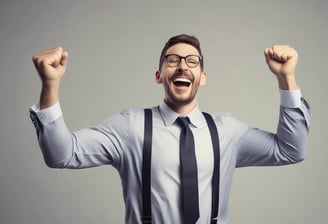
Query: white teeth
(182, 80)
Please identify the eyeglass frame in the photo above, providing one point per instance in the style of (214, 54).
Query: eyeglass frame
(200, 57)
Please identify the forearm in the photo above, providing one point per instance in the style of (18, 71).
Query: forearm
(49, 94)
(287, 83)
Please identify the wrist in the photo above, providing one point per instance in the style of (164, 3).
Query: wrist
(287, 82)
(50, 83)
(49, 94)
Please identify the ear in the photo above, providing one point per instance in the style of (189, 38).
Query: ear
(202, 79)
(158, 77)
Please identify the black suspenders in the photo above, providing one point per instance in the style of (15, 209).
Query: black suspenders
(216, 171)
(146, 162)
(146, 167)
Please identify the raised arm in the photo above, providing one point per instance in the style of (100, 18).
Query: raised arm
(51, 66)
(288, 144)
(62, 148)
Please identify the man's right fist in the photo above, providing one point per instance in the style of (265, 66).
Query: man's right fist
(51, 64)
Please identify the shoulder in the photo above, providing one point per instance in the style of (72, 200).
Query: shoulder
(132, 117)
(220, 117)
(125, 116)
(226, 121)
(131, 112)
(125, 123)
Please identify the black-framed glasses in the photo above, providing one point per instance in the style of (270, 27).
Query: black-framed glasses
(174, 60)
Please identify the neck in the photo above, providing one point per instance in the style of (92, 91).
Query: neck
(182, 108)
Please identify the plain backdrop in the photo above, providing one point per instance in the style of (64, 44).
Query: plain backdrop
(114, 48)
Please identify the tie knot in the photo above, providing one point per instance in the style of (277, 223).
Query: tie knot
(183, 122)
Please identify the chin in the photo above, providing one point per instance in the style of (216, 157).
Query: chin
(182, 101)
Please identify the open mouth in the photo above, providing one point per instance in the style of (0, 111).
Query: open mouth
(181, 82)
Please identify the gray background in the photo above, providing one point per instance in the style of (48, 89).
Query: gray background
(113, 55)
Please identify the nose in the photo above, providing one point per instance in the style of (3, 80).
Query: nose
(182, 65)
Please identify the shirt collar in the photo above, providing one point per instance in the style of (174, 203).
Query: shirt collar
(169, 116)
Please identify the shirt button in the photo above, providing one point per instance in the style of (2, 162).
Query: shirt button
(41, 116)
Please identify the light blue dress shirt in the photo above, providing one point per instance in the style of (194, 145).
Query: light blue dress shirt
(118, 141)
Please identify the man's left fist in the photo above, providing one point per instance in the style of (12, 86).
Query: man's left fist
(281, 60)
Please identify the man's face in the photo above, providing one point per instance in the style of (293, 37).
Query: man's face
(181, 82)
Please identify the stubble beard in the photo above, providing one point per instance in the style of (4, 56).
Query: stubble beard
(174, 101)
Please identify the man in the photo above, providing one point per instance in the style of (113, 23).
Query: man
(118, 141)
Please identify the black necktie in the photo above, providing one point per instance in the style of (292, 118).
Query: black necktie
(189, 178)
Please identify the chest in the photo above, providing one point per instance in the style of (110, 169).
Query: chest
(166, 152)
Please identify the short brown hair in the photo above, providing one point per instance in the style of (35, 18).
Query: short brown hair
(182, 38)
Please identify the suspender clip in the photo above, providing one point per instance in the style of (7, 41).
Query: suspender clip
(214, 220)
(146, 219)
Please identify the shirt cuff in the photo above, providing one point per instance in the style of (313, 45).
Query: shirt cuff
(49, 114)
(291, 98)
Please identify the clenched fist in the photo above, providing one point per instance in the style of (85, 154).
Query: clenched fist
(51, 64)
(282, 61)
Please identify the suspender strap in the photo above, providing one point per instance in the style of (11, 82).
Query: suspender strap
(216, 172)
(146, 167)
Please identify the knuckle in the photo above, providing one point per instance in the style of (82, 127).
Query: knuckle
(35, 59)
